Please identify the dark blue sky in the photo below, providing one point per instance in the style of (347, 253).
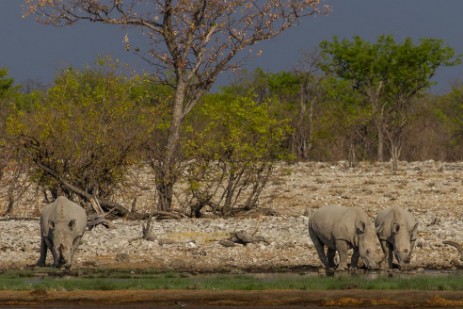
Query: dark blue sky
(34, 51)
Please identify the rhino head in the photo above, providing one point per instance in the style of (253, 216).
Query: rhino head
(368, 250)
(402, 245)
(61, 241)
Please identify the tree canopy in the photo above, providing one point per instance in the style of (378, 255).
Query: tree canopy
(389, 75)
(84, 132)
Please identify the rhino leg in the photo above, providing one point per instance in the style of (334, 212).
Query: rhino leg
(74, 247)
(320, 247)
(342, 246)
(412, 245)
(388, 252)
(354, 261)
(43, 253)
(331, 254)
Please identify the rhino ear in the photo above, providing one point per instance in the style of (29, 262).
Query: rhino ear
(71, 224)
(395, 228)
(360, 227)
(51, 225)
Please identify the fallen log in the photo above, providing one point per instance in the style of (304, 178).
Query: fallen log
(243, 238)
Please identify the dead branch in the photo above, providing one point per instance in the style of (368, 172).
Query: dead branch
(456, 245)
(99, 218)
(119, 209)
(96, 205)
(93, 221)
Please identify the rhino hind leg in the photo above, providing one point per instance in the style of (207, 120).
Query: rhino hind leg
(342, 247)
(43, 253)
(320, 247)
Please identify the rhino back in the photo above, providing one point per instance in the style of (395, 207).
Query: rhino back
(63, 210)
(336, 222)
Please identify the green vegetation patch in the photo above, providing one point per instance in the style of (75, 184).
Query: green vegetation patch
(152, 280)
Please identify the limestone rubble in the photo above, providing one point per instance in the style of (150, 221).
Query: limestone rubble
(432, 191)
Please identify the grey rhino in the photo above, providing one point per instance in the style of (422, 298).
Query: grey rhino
(341, 228)
(397, 232)
(62, 224)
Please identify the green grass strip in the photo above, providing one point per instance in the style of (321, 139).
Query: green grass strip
(153, 281)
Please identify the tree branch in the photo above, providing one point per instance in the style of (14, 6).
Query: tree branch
(119, 209)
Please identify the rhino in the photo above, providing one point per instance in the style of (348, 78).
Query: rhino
(396, 229)
(62, 225)
(340, 229)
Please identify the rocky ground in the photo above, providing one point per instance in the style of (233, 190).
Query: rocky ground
(430, 190)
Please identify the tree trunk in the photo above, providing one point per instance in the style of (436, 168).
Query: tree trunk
(351, 156)
(380, 150)
(395, 154)
(301, 138)
(378, 114)
(310, 134)
(166, 175)
(304, 132)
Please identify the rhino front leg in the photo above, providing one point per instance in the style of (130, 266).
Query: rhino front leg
(43, 253)
(388, 252)
(355, 259)
(412, 245)
(342, 246)
(75, 245)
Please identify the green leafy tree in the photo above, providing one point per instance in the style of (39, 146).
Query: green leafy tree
(6, 83)
(448, 109)
(84, 133)
(390, 76)
(342, 123)
(295, 94)
(231, 142)
(11, 160)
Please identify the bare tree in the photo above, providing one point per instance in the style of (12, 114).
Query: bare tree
(310, 93)
(193, 40)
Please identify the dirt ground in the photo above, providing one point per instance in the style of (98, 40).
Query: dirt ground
(229, 299)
